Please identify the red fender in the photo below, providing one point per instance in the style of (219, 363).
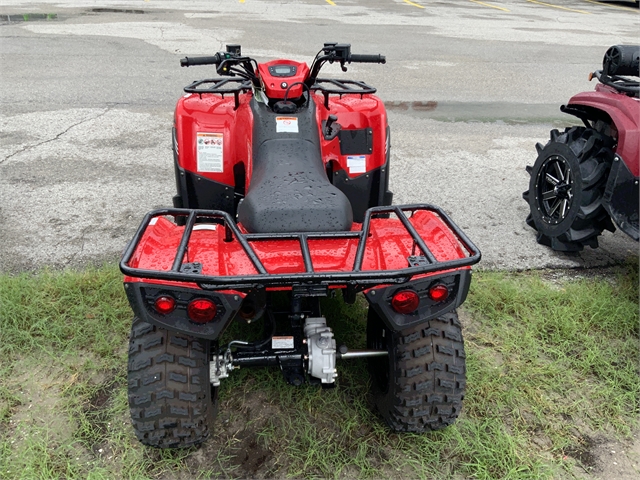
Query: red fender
(625, 114)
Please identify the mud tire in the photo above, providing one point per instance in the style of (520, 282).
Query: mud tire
(420, 386)
(171, 401)
(579, 217)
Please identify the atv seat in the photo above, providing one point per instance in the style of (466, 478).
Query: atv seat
(290, 192)
(289, 189)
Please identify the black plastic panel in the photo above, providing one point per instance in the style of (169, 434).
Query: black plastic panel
(356, 142)
(371, 189)
(141, 297)
(202, 193)
(380, 299)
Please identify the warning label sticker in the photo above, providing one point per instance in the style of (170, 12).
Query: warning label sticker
(280, 343)
(209, 149)
(357, 164)
(286, 124)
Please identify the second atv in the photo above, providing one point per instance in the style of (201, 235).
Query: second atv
(587, 176)
(282, 182)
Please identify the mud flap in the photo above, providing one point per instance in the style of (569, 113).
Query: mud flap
(621, 198)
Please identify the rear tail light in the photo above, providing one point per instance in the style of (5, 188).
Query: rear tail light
(202, 310)
(164, 304)
(405, 301)
(439, 293)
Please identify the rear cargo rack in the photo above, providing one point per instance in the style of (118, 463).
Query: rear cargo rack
(355, 278)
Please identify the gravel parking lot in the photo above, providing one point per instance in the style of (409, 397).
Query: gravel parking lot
(87, 94)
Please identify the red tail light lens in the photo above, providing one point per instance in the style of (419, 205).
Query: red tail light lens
(438, 293)
(405, 301)
(165, 304)
(202, 310)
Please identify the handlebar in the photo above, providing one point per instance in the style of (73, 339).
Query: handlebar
(232, 63)
(621, 84)
(193, 61)
(357, 58)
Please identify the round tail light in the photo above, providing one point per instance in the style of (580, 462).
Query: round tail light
(202, 310)
(405, 301)
(164, 304)
(438, 293)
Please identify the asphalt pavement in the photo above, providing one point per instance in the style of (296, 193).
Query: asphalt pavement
(87, 91)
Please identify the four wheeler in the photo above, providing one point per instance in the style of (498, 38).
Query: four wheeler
(586, 176)
(283, 199)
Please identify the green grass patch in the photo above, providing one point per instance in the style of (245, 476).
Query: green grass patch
(552, 366)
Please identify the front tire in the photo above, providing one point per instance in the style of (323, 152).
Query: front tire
(420, 386)
(566, 189)
(171, 401)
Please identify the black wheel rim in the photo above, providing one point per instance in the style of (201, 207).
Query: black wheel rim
(554, 189)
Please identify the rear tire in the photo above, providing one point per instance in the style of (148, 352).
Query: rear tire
(171, 401)
(566, 189)
(420, 386)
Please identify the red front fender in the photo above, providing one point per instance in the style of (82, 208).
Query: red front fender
(625, 114)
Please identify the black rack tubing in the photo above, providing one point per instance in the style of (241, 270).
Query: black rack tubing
(357, 263)
(184, 241)
(252, 237)
(263, 277)
(245, 245)
(381, 276)
(218, 83)
(415, 236)
(126, 258)
(341, 84)
(468, 245)
(343, 87)
(357, 266)
(133, 244)
(306, 254)
(360, 284)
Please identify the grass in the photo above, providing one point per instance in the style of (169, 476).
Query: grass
(552, 366)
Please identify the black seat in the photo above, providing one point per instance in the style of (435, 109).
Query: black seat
(289, 189)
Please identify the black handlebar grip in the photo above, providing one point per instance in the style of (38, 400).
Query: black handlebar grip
(355, 58)
(192, 61)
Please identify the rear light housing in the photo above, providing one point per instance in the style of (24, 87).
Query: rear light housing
(439, 293)
(197, 312)
(164, 304)
(202, 310)
(405, 301)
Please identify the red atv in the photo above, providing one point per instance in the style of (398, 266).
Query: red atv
(588, 175)
(282, 182)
